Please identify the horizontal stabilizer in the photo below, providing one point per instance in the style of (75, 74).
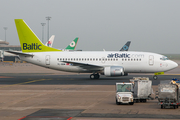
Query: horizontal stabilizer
(20, 53)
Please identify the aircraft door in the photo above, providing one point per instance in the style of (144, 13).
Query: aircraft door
(151, 60)
(47, 59)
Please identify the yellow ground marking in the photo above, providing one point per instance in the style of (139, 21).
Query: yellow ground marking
(25, 82)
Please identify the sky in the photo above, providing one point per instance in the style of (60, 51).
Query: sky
(150, 25)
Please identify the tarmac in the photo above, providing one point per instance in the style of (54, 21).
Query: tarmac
(30, 92)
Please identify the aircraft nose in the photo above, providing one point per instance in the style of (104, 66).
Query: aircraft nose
(173, 64)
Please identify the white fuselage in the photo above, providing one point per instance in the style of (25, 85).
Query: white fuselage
(132, 62)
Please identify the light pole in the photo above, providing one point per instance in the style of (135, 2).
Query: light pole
(43, 24)
(48, 18)
(5, 28)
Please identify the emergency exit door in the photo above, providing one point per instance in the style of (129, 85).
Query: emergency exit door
(151, 60)
(47, 59)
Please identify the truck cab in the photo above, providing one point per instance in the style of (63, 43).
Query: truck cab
(124, 93)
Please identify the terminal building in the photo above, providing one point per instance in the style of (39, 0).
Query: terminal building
(5, 56)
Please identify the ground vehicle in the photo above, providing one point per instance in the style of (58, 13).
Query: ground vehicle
(169, 94)
(142, 88)
(124, 93)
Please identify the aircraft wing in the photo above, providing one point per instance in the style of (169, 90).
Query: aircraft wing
(86, 66)
(20, 53)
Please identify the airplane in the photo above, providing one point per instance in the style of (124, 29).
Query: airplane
(71, 46)
(108, 63)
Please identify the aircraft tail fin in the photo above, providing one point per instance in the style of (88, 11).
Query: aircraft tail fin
(73, 44)
(28, 40)
(126, 46)
(50, 41)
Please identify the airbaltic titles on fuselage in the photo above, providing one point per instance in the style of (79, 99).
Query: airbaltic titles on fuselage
(33, 46)
(125, 55)
(116, 55)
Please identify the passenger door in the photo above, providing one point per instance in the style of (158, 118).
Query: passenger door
(47, 59)
(151, 60)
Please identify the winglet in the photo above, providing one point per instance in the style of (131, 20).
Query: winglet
(73, 44)
(28, 40)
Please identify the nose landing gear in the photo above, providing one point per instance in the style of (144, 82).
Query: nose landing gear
(94, 76)
(155, 77)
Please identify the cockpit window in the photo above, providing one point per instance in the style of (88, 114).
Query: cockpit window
(164, 58)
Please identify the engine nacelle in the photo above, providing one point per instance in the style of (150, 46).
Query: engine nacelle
(114, 71)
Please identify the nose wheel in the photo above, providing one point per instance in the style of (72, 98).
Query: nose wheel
(155, 77)
(94, 76)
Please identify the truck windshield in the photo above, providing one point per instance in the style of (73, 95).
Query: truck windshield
(124, 88)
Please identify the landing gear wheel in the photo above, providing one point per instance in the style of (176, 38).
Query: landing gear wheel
(155, 77)
(92, 76)
(96, 76)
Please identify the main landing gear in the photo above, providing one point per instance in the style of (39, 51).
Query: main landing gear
(94, 76)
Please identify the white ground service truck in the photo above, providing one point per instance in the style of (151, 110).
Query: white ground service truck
(124, 93)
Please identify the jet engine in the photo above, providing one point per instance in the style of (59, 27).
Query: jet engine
(114, 71)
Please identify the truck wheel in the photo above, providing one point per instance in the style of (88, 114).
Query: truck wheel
(131, 103)
(117, 103)
(161, 106)
(174, 106)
